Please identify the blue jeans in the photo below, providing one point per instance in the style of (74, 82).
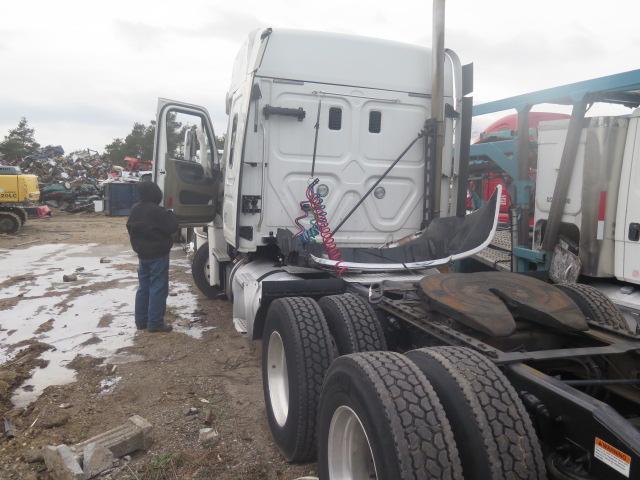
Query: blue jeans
(153, 288)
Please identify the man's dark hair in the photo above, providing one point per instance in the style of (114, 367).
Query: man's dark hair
(149, 192)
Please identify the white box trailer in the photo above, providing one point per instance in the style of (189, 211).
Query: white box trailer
(590, 213)
(601, 218)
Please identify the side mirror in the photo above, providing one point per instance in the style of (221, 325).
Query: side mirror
(227, 103)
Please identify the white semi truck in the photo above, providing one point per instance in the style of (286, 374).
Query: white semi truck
(337, 195)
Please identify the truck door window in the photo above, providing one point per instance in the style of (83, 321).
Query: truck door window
(335, 118)
(188, 140)
(375, 121)
(232, 139)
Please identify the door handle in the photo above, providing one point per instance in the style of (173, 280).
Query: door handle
(634, 232)
(162, 172)
(299, 112)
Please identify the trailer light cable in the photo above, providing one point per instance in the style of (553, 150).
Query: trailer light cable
(322, 225)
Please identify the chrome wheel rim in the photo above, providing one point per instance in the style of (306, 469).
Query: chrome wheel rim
(349, 452)
(207, 271)
(278, 379)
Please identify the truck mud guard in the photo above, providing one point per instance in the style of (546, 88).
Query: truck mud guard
(318, 287)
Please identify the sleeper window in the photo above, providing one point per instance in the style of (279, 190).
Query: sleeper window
(335, 118)
(375, 121)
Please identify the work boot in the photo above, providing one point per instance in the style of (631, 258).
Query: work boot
(162, 329)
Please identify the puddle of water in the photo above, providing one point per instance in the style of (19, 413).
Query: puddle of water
(184, 305)
(55, 373)
(43, 269)
(85, 318)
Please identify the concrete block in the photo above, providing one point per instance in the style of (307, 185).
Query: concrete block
(61, 463)
(208, 437)
(133, 435)
(141, 423)
(96, 459)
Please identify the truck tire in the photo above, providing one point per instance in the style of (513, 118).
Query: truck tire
(297, 351)
(9, 222)
(595, 305)
(200, 273)
(353, 324)
(380, 418)
(22, 215)
(491, 426)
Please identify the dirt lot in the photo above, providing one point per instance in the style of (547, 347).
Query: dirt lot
(74, 365)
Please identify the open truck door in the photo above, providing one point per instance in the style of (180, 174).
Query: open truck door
(186, 164)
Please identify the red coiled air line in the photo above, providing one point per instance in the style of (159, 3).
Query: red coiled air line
(322, 224)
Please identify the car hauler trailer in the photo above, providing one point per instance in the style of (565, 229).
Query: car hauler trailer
(592, 167)
(324, 230)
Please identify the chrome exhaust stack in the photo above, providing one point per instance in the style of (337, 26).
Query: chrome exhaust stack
(437, 100)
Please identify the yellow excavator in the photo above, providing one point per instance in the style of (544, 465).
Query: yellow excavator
(17, 192)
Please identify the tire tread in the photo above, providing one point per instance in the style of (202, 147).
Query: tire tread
(595, 305)
(509, 438)
(316, 353)
(422, 436)
(199, 277)
(14, 218)
(363, 328)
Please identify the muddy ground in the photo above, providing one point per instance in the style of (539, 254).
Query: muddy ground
(79, 337)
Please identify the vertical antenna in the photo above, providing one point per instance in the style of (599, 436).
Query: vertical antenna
(315, 141)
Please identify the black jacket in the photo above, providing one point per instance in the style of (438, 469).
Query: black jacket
(150, 229)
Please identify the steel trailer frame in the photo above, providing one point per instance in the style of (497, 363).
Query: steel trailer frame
(621, 88)
(566, 418)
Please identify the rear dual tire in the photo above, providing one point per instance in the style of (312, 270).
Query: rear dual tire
(301, 338)
(492, 429)
(379, 418)
(297, 351)
(444, 412)
(353, 324)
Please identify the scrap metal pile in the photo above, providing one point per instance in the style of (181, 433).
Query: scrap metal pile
(70, 182)
(51, 165)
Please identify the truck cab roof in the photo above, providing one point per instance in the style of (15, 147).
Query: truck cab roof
(337, 59)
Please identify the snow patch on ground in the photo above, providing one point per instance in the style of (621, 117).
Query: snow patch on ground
(90, 316)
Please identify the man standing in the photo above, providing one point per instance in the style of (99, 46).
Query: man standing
(150, 229)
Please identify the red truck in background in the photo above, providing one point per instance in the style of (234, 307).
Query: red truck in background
(483, 181)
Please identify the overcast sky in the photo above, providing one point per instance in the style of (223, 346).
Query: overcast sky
(82, 71)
